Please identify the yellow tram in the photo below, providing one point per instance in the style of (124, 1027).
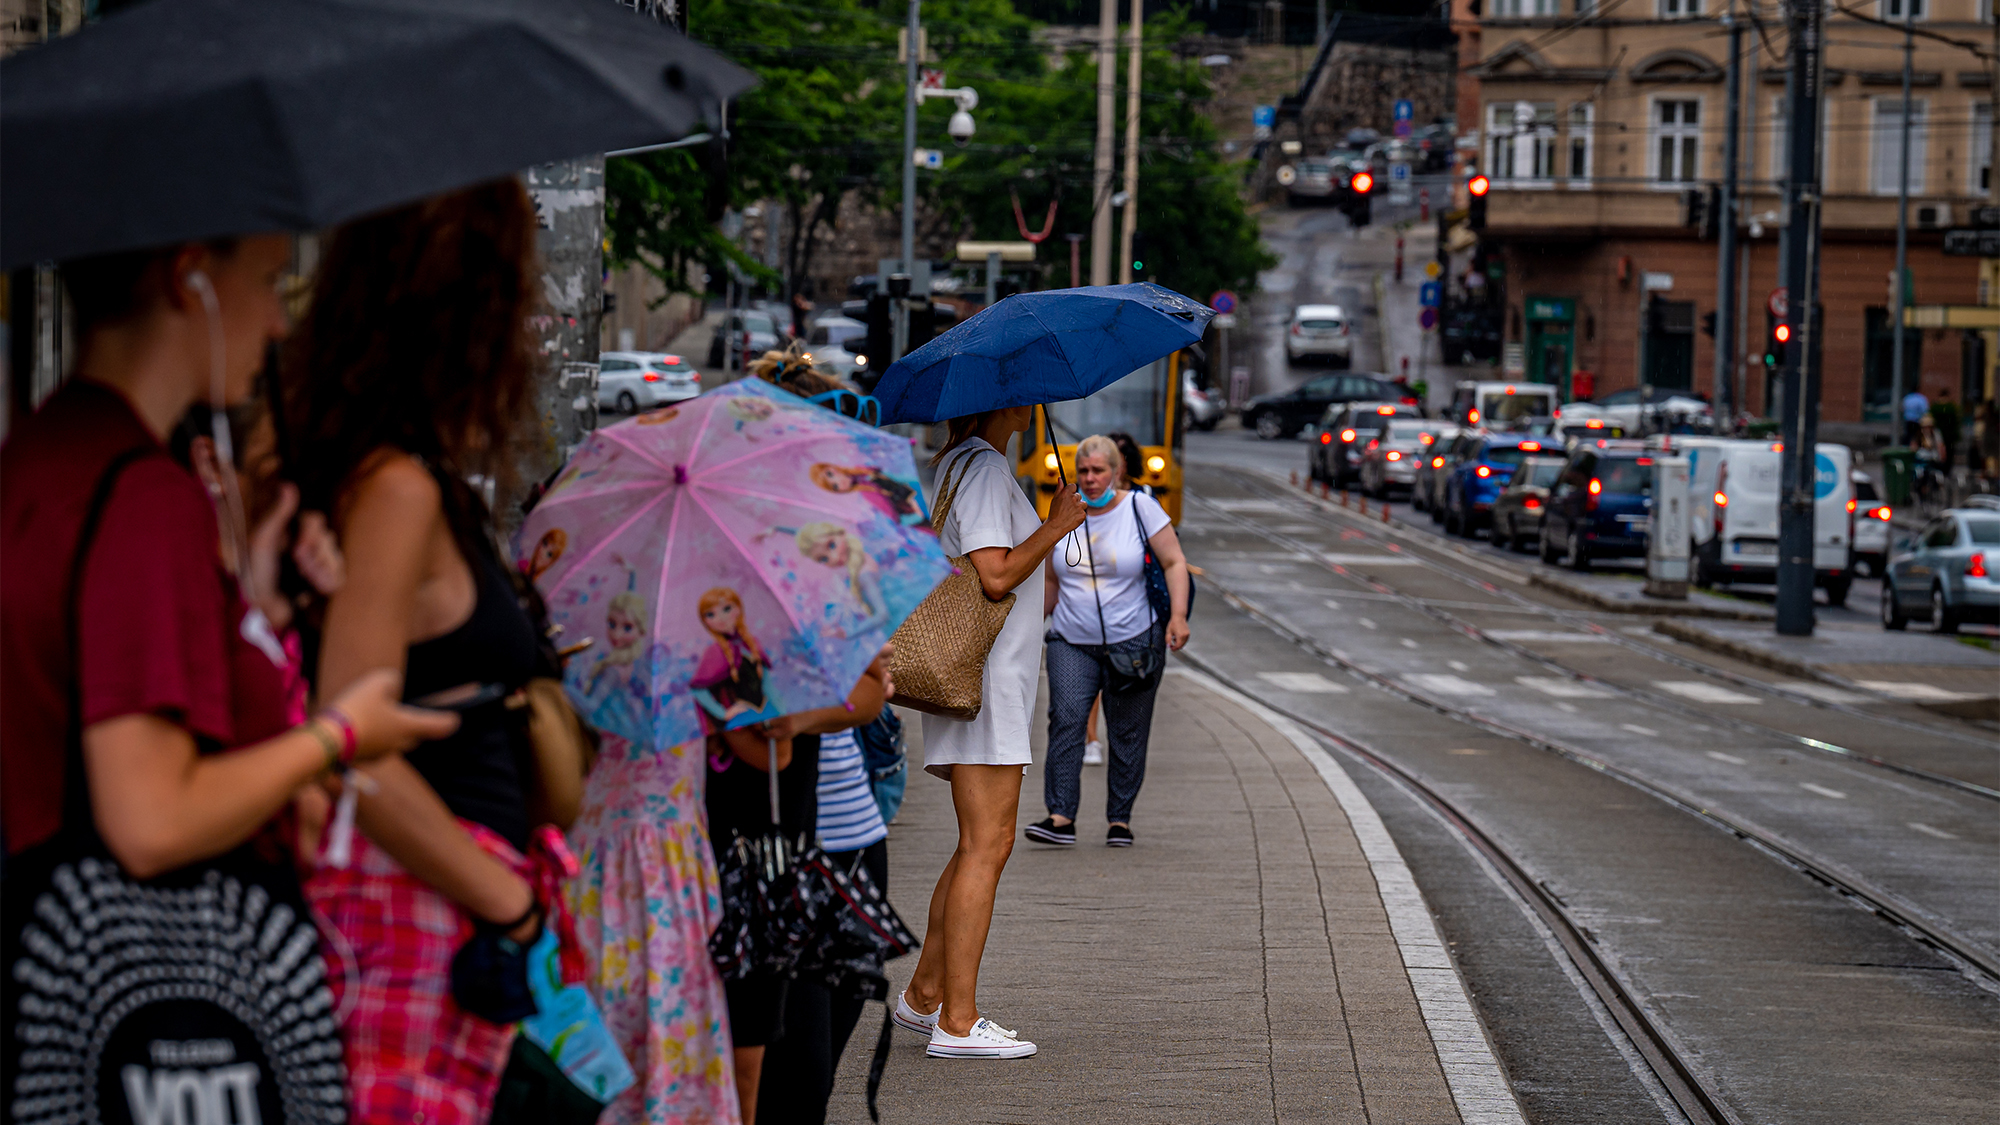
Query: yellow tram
(1145, 404)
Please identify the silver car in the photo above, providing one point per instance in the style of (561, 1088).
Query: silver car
(839, 344)
(1871, 526)
(1390, 461)
(1949, 572)
(629, 382)
(1202, 408)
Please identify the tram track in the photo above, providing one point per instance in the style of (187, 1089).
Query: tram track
(1916, 922)
(1516, 603)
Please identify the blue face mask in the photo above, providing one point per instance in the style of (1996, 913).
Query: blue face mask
(1110, 494)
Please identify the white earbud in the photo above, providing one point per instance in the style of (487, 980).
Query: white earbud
(198, 280)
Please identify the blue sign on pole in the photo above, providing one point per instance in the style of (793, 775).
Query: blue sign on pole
(1428, 294)
(1405, 114)
(1265, 115)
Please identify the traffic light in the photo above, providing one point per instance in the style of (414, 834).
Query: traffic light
(1138, 253)
(881, 331)
(1694, 208)
(1775, 339)
(1475, 208)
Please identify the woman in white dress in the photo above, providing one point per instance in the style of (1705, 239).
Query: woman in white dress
(994, 524)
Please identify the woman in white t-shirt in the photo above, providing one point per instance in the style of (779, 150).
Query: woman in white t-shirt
(991, 522)
(1096, 601)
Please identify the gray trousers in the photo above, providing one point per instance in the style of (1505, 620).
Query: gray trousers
(1075, 678)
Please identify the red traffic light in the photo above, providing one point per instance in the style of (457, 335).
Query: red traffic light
(1362, 182)
(1477, 185)
(1782, 333)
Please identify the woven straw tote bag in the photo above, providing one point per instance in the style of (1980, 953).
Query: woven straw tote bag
(939, 665)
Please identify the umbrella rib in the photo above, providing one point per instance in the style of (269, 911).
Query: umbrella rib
(790, 501)
(645, 456)
(763, 451)
(694, 447)
(565, 498)
(578, 566)
(666, 563)
(746, 552)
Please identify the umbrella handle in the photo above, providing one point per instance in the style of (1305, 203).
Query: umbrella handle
(771, 764)
(1050, 424)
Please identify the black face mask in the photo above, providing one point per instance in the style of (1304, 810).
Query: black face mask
(489, 975)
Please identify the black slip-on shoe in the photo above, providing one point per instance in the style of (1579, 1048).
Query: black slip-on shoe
(1047, 831)
(1118, 836)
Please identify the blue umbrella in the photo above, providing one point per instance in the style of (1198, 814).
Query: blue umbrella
(1036, 348)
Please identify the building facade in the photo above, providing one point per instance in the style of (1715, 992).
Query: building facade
(1596, 119)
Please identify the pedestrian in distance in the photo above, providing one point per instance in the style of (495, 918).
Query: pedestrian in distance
(992, 523)
(408, 374)
(1915, 406)
(1093, 746)
(1099, 610)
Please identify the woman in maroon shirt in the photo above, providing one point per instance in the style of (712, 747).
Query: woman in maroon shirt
(171, 663)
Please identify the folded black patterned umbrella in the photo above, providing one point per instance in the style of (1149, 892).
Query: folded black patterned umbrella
(195, 119)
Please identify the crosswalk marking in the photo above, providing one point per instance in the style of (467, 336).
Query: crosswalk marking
(1440, 683)
(1305, 683)
(1562, 688)
(1337, 559)
(1703, 692)
(1548, 635)
(1825, 693)
(1730, 758)
(1939, 833)
(1822, 791)
(1909, 689)
(1635, 728)
(1365, 623)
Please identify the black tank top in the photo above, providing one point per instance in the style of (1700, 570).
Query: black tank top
(483, 770)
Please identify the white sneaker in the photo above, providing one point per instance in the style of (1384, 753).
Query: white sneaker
(909, 1019)
(986, 1040)
(1093, 753)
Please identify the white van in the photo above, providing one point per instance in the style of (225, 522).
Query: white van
(1733, 508)
(1500, 406)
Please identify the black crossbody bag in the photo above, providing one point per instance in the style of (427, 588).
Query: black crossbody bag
(129, 999)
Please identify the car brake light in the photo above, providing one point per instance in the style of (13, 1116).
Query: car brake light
(1594, 424)
(1596, 486)
(1298, 330)
(1531, 503)
(652, 377)
(1374, 443)
(1326, 437)
(1851, 505)
(1395, 456)
(1437, 462)
(1385, 411)
(1595, 490)
(1976, 568)
(1483, 471)
(1472, 417)
(1426, 439)
(1881, 514)
(1531, 446)
(1721, 501)
(1645, 460)
(1347, 435)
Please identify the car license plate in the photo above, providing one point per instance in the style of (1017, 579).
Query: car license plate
(1637, 523)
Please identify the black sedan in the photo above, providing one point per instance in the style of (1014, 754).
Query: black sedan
(1285, 414)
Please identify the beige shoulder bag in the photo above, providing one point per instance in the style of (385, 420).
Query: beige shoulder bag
(939, 664)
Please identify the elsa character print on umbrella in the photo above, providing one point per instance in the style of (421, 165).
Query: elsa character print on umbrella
(840, 550)
(618, 685)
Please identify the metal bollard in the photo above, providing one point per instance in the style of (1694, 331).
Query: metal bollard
(1364, 503)
(1295, 478)
(1343, 498)
(1424, 205)
(1385, 511)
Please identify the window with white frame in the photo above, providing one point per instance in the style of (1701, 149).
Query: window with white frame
(1681, 9)
(1676, 140)
(1578, 166)
(1897, 10)
(1886, 161)
(1981, 164)
(1521, 142)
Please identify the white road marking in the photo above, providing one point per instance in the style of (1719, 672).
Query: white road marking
(1635, 728)
(1408, 643)
(1331, 604)
(1703, 692)
(1458, 665)
(1936, 832)
(1548, 635)
(1365, 623)
(1826, 693)
(1570, 707)
(1438, 683)
(1822, 791)
(1909, 689)
(1562, 687)
(1369, 560)
(1246, 505)
(1305, 683)
(1730, 758)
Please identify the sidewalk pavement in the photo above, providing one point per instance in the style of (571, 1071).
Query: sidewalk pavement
(1261, 955)
(1942, 674)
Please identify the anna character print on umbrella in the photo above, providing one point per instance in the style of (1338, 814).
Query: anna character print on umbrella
(729, 682)
(895, 499)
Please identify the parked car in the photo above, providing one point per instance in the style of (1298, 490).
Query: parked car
(1203, 410)
(1871, 526)
(1475, 481)
(839, 345)
(1390, 461)
(1601, 506)
(1320, 332)
(1638, 413)
(1310, 180)
(1345, 430)
(1517, 514)
(1500, 405)
(1733, 513)
(629, 382)
(1285, 414)
(1430, 470)
(763, 336)
(1949, 571)
(1435, 144)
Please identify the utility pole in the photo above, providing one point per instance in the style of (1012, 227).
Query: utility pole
(900, 335)
(1898, 285)
(1725, 251)
(1107, 90)
(1131, 223)
(1801, 368)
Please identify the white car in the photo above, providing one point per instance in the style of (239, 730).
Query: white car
(629, 382)
(1664, 412)
(1321, 332)
(839, 344)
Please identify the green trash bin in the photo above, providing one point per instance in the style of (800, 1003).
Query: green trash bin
(1899, 468)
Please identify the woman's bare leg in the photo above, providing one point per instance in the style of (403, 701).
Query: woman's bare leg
(987, 800)
(749, 1070)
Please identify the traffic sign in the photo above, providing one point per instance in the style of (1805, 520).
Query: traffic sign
(930, 158)
(1972, 243)
(1429, 294)
(1778, 301)
(1222, 301)
(1224, 320)
(1405, 114)
(1432, 269)
(1427, 319)
(1265, 115)
(1399, 171)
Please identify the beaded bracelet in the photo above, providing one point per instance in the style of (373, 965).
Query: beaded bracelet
(350, 743)
(327, 742)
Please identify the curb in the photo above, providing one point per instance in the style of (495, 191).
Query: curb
(1665, 609)
(1982, 708)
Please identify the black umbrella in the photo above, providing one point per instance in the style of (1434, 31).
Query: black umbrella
(189, 119)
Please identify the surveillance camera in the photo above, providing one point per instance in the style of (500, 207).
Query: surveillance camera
(960, 128)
